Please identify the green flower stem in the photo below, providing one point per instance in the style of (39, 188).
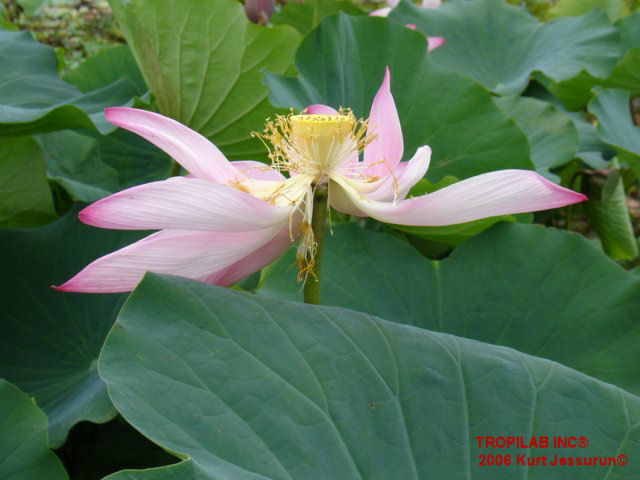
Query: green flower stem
(318, 221)
(175, 169)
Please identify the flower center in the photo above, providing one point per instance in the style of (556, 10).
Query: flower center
(313, 149)
(315, 145)
(323, 141)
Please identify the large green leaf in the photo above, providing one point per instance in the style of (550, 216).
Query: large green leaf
(33, 99)
(552, 135)
(305, 16)
(25, 196)
(250, 388)
(501, 45)
(91, 166)
(203, 62)
(522, 286)
(24, 453)
(576, 92)
(50, 340)
(615, 124)
(342, 62)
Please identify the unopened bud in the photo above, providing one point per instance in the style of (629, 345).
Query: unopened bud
(259, 11)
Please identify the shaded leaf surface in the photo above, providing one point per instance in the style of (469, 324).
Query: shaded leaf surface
(91, 166)
(335, 393)
(615, 125)
(342, 62)
(49, 340)
(34, 99)
(609, 215)
(25, 196)
(522, 286)
(24, 453)
(105, 67)
(552, 135)
(577, 91)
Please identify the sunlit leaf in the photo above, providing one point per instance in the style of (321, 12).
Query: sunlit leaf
(203, 62)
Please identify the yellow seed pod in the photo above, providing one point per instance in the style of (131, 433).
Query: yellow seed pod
(317, 135)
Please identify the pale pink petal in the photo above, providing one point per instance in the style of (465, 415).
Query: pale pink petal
(319, 109)
(183, 204)
(256, 260)
(194, 152)
(256, 170)
(404, 176)
(411, 26)
(381, 12)
(384, 153)
(196, 255)
(487, 195)
(430, 3)
(393, 3)
(434, 42)
(341, 200)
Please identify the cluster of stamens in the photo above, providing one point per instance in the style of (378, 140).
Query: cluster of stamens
(312, 149)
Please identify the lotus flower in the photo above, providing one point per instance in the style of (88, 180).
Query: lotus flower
(432, 42)
(229, 219)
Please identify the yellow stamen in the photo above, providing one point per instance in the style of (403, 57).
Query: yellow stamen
(315, 148)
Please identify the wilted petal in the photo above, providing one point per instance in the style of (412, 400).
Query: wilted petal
(187, 147)
(487, 195)
(434, 42)
(256, 170)
(384, 153)
(320, 109)
(195, 255)
(256, 260)
(183, 204)
(403, 177)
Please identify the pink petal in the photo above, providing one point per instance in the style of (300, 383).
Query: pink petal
(320, 109)
(487, 195)
(256, 170)
(384, 153)
(430, 3)
(381, 12)
(187, 147)
(183, 204)
(256, 260)
(403, 177)
(434, 42)
(196, 255)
